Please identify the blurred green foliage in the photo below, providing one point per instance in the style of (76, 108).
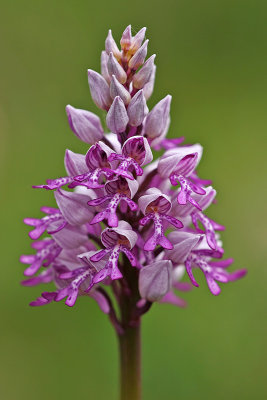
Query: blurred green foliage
(211, 56)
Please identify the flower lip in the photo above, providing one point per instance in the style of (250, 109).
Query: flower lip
(183, 211)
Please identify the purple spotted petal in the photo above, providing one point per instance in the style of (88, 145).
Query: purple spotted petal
(44, 299)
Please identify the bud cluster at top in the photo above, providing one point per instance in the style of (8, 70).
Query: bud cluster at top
(128, 217)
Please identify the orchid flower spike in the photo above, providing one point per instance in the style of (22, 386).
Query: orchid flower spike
(124, 217)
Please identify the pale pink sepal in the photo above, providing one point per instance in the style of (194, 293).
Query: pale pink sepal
(85, 124)
(155, 280)
(99, 90)
(117, 118)
(182, 160)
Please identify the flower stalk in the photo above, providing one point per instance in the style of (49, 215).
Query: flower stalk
(130, 337)
(130, 362)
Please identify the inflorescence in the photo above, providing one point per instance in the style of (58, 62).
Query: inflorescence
(130, 215)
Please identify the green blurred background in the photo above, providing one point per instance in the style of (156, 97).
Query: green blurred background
(211, 56)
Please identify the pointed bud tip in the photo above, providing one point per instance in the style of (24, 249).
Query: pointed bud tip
(128, 29)
(117, 99)
(68, 109)
(126, 35)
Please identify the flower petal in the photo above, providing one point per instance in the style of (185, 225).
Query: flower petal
(86, 125)
(74, 207)
(155, 280)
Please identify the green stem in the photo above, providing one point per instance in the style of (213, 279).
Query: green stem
(130, 335)
(130, 363)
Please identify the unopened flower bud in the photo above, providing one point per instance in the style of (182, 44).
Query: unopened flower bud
(137, 40)
(86, 125)
(155, 280)
(149, 86)
(99, 90)
(137, 109)
(114, 68)
(111, 46)
(157, 119)
(144, 74)
(117, 118)
(126, 39)
(117, 89)
(104, 66)
(138, 59)
(74, 163)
